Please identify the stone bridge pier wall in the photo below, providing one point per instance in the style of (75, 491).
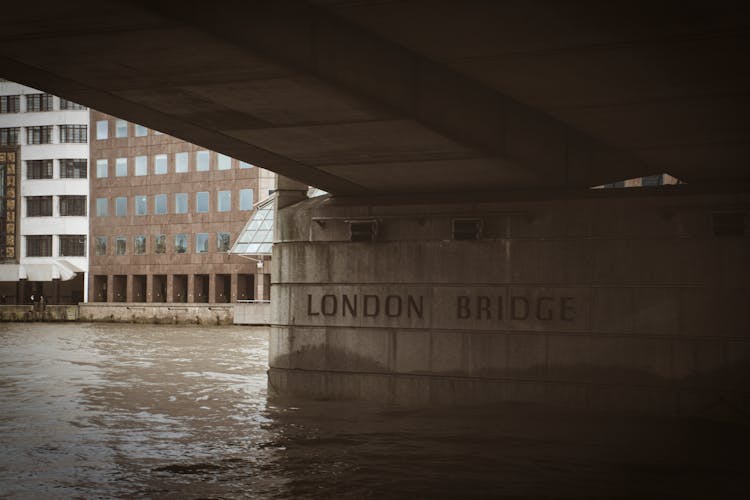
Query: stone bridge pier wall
(629, 301)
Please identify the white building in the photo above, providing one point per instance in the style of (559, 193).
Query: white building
(51, 193)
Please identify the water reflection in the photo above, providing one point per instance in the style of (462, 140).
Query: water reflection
(99, 410)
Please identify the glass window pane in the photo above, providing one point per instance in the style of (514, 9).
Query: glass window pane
(102, 129)
(101, 207)
(224, 201)
(120, 245)
(201, 243)
(180, 243)
(246, 199)
(160, 204)
(244, 164)
(139, 247)
(180, 203)
(223, 162)
(101, 168)
(141, 165)
(201, 161)
(160, 164)
(141, 205)
(181, 162)
(121, 167)
(100, 245)
(223, 241)
(160, 243)
(201, 202)
(121, 128)
(141, 131)
(121, 206)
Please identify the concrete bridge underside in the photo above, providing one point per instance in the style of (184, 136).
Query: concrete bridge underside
(418, 114)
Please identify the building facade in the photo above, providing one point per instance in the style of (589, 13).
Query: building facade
(164, 215)
(44, 187)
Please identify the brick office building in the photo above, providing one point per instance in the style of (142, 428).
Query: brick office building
(164, 214)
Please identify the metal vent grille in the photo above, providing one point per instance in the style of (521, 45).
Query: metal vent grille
(729, 223)
(467, 229)
(365, 230)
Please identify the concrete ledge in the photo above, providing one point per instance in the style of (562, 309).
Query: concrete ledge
(141, 312)
(27, 313)
(252, 313)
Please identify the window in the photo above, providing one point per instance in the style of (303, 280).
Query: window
(140, 131)
(10, 104)
(121, 128)
(180, 243)
(9, 136)
(38, 102)
(180, 162)
(73, 169)
(121, 167)
(73, 245)
(121, 245)
(363, 230)
(101, 168)
(72, 205)
(102, 129)
(139, 244)
(180, 203)
(38, 206)
(39, 169)
(244, 164)
(201, 202)
(201, 243)
(160, 164)
(160, 204)
(652, 180)
(121, 206)
(100, 245)
(39, 246)
(39, 135)
(246, 199)
(201, 161)
(102, 207)
(223, 162)
(70, 105)
(74, 134)
(223, 241)
(141, 165)
(160, 243)
(467, 229)
(141, 205)
(224, 201)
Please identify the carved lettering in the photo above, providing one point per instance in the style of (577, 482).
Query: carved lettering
(329, 305)
(567, 310)
(544, 313)
(393, 306)
(463, 311)
(483, 306)
(349, 305)
(370, 299)
(413, 306)
(515, 308)
(309, 307)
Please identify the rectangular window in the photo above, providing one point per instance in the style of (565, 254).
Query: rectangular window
(140, 131)
(102, 205)
(70, 105)
(141, 205)
(73, 245)
(141, 165)
(160, 164)
(224, 201)
(38, 102)
(160, 243)
(72, 205)
(139, 245)
(74, 134)
(244, 164)
(39, 135)
(121, 167)
(100, 245)
(223, 241)
(201, 202)
(180, 203)
(121, 128)
(121, 245)
(246, 199)
(39, 246)
(73, 169)
(181, 162)
(121, 206)
(201, 243)
(160, 204)
(38, 206)
(180, 243)
(10, 104)
(201, 161)
(9, 136)
(223, 162)
(102, 129)
(39, 169)
(101, 168)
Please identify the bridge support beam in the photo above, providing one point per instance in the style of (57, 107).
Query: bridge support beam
(622, 301)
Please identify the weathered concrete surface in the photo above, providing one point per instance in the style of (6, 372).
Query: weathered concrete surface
(252, 313)
(626, 303)
(27, 313)
(135, 312)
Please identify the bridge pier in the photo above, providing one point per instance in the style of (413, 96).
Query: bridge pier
(617, 300)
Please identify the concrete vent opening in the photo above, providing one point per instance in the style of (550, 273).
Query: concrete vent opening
(363, 230)
(467, 229)
(729, 223)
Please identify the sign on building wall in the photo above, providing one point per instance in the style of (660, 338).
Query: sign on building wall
(8, 187)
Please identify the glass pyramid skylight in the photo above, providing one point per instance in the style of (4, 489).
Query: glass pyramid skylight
(256, 238)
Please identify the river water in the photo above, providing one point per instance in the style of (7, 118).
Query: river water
(178, 412)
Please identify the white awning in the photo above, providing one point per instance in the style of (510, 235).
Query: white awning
(9, 272)
(68, 270)
(39, 272)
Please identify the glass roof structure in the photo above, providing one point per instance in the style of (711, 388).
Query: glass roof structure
(256, 238)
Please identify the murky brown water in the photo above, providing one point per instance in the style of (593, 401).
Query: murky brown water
(128, 411)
